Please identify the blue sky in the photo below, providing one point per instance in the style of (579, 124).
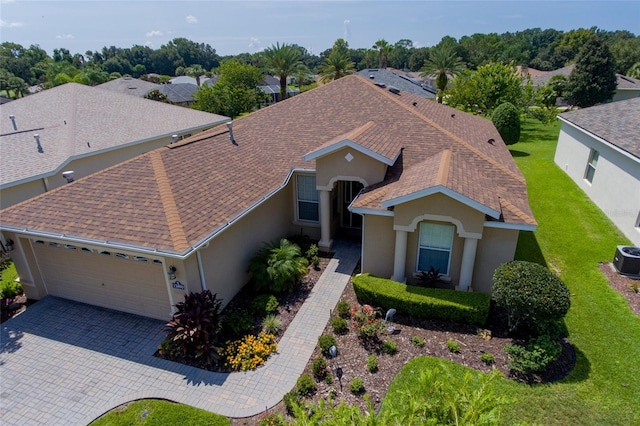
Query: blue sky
(250, 26)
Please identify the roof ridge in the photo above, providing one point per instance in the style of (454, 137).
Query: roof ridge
(176, 229)
(450, 134)
(443, 171)
(514, 209)
(359, 131)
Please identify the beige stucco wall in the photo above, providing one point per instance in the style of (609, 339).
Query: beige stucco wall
(16, 194)
(623, 95)
(496, 247)
(23, 259)
(379, 245)
(361, 168)
(226, 260)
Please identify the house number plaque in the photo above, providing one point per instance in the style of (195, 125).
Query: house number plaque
(178, 285)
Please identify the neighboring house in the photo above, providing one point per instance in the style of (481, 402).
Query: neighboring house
(84, 129)
(627, 87)
(599, 148)
(399, 81)
(419, 183)
(271, 87)
(179, 93)
(129, 86)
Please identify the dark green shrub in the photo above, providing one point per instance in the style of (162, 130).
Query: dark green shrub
(423, 302)
(306, 386)
(343, 309)
(319, 368)
(389, 347)
(10, 289)
(291, 399)
(193, 331)
(340, 325)
(535, 357)
(312, 256)
(263, 304)
(328, 379)
(533, 297)
(417, 341)
(372, 364)
(356, 385)
(277, 267)
(488, 358)
(237, 324)
(453, 346)
(325, 342)
(506, 118)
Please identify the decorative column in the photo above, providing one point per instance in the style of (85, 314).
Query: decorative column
(400, 258)
(468, 261)
(325, 242)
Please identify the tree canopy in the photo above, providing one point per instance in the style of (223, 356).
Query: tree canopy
(593, 80)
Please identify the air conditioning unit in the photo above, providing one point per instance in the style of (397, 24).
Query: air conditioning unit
(627, 260)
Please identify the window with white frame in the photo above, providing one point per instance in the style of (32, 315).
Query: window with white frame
(434, 247)
(591, 165)
(307, 195)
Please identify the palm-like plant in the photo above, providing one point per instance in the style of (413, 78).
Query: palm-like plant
(383, 47)
(195, 71)
(277, 267)
(442, 62)
(283, 60)
(336, 65)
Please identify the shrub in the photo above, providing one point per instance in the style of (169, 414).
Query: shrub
(428, 278)
(10, 289)
(340, 325)
(422, 302)
(236, 323)
(535, 357)
(533, 297)
(291, 399)
(325, 342)
(389, 347)
(305, 385)
(365, 321)
(193, 331)
(328, 379)
(506, 118)
(417, 341)
(453, 346)
(488, 358)
(372, 364)
(356, 385)
(312, 256)
(343, 308)
(248, 353)
(271, 324)
(263, 304)
(277, 267)
(272, 419)
(319, 368)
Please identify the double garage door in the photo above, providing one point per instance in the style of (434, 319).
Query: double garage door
(108, 279)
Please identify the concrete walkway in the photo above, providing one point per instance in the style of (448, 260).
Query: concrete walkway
(67, 363)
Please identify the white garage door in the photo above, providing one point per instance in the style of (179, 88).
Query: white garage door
(110, 280)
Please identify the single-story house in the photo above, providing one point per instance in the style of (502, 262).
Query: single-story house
(400, 81)
(82, 129)
(271, 87)
(599, 148)
(419, 183)
(130, 86)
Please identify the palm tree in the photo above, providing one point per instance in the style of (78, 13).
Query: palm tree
(336, 65)
(283, 60)
(442, 62)
(277, 266)
(302, 73)
(195, 71)
(383, 47)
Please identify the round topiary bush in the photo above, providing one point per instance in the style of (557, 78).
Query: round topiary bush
(533, 297)
(506, 118)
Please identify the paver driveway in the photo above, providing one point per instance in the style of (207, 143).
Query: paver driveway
(66, 363)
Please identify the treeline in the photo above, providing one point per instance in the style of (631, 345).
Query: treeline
(548, 49)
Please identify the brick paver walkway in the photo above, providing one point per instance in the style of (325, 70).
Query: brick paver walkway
(67, 363)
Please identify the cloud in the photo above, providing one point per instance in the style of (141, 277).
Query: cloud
(254, 43)
(347, 29)
(191, 19)
(154, 33)
(65, 37)
(11, 24)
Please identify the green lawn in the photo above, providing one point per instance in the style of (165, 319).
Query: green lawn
(159, 412)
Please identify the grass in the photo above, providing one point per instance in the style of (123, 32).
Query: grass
(9, 275)
(159, 412)
(573, 236)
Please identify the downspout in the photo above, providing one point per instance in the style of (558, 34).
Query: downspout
(201, 270)
(45, 182)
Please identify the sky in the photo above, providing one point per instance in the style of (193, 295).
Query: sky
(233, 27)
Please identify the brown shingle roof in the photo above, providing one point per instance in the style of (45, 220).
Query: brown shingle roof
(211, 181)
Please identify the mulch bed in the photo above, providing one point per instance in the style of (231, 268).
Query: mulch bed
(15, 307)
(626, 286)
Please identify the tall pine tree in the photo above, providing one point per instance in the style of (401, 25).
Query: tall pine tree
(593, 80)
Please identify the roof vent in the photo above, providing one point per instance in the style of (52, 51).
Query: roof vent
(415, 104)
(394, 90)
(371, 76)
(380, 84)
(13, 121)
(68, 175)
(37, 138)
(174, 138)
(491, 141)
(230, 127)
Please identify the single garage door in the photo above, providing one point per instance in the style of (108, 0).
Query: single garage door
(104, 278)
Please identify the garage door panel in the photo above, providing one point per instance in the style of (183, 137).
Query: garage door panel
(108, 281)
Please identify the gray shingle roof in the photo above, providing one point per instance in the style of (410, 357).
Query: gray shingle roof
(398, 81)
(129, 86)
(617, 123)
(178, 92)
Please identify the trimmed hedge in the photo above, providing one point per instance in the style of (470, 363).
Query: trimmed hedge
(423, 302)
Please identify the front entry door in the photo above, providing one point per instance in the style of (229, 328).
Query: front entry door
(349, 191)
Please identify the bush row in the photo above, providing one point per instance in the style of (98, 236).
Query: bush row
(422, 302)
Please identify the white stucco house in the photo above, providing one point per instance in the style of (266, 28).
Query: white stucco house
(599, 148)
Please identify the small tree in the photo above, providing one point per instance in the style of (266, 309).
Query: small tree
(506, 118)
(593, 80)
(533, 297)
